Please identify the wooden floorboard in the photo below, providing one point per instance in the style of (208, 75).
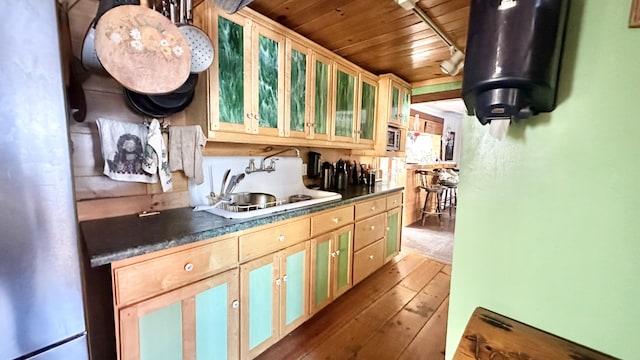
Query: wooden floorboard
(399, 311)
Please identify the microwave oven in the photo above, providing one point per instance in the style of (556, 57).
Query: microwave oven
(393, 139)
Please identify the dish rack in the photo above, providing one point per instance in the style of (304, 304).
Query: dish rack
(236, 207)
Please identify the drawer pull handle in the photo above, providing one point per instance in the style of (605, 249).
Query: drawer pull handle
(278, 281)
(335, 220)
(284, 278)
(188, 267)
(373, 208)
(281, 237)
(370, 257)
(235, 304)
(372, 227)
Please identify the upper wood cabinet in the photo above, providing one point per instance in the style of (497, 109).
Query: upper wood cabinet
(345, 107)
(297, 90)
(321, 96)
(367, 100)
(269, 85)
(247, 76)
(395, 100)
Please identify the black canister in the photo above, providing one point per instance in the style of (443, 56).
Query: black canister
(313, 168)
(327, 175)
(340, 176)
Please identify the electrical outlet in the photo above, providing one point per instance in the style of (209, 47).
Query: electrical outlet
(304, 169)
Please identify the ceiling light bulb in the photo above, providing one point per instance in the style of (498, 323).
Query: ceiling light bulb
(407, 4)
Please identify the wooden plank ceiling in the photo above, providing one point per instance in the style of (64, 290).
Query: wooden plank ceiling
(378, 35)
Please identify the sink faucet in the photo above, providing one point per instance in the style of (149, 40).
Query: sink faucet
(251, 168)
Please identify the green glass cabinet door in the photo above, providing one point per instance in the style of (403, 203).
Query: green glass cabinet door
(294, 270)
(296, 91)
(268, 94)
(343, 260)
(395, 104)
(321, 260)
(344, 116)
(367, 114)
(392, 240)
(229, 89)
(406, 103)
(321, 73)
(259, 305)
(190, 322)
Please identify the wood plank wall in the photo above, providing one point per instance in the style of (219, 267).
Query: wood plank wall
(97, 196)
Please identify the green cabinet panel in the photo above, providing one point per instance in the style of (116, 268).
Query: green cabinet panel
(392, 234)
(344, 268)
(406, 102)
(345, 92)
(295, 267)
(160, 333)
(367, 111)
(231, 72)
(298, 91)
(321, 108)
(268, 65)
(322, 268)
(260, 304)
(211, 323)
(395, 102)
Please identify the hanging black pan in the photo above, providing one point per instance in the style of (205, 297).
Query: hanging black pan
(178, 97)
(174, 103)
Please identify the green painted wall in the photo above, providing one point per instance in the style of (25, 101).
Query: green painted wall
(548, 223)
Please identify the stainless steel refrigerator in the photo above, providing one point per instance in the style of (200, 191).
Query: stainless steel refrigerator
(41, 302)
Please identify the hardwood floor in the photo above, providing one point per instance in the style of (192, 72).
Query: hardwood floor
(399, 312)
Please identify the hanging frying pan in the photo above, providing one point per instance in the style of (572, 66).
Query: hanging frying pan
(159, 106)
(142, 50)
(202, 53)
(178, 97)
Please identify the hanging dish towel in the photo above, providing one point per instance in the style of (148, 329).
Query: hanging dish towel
(156, 158)
(185, 151)
(123, 150)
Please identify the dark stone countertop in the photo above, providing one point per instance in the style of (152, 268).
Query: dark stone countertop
(122, 237)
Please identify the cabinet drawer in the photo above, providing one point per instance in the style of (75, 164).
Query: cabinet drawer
(367, 260)
(272, 239)
(394, 200)
(368, 231)
(154, 276)
(371, 207)
(331, 220)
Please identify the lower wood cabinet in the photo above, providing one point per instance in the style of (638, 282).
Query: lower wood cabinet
(331, 266)
(198, 321)
(394, 228)
(274, 292)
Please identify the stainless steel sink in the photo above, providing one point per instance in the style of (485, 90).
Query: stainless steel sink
(247, 205)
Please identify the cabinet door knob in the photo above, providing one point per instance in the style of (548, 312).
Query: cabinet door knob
(333, 254)
(370, 257)
(388, 228)
(337, 252)
(256, 116)
(278, 281)
(235, 304)
(249, 115)
(188, 267)
(284, 278)
(281, 237)
(335, 220)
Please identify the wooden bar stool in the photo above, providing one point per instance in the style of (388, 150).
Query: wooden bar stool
(431, 191)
